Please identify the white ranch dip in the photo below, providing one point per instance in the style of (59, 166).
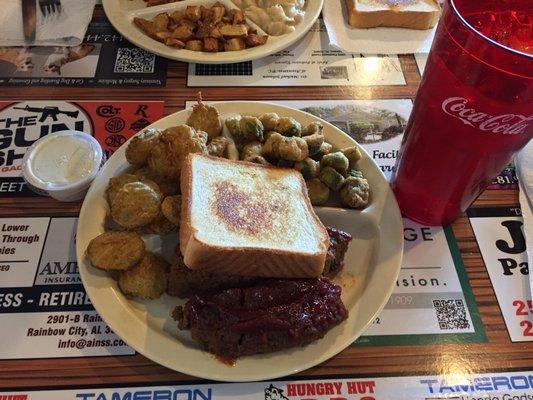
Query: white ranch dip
(62, 165)
(63, 160)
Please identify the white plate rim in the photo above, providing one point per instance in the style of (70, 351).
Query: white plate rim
(112, 318)
(274, 44)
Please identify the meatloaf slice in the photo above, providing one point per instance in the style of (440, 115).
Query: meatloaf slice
(184, 282)
(338, 244)
(272, 315)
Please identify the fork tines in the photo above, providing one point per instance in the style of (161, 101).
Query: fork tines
(50, 7)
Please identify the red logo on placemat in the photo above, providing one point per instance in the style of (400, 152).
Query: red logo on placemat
(13, 396)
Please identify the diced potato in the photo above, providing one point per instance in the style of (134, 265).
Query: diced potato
(237, 16)
(194, 13)
(215, 33)
(183, 33)
(160, 22)
(234, 30)
(218, 12)
(145, 25)
(163, 35)
(177, 16)
(174, 43)
(207, 14)
(255, 40)
(194, 45)
(234, 44)
(210, 45)
(204, 29)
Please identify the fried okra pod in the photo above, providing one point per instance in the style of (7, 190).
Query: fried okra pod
(251, 128)
(269, 121)
(331, 178)
(312, 129)
(309, 168)
(353, 154)
(318, 192)
(288, 126)
(335, 160)
(325, 148)
(314, 142)
(355, 192)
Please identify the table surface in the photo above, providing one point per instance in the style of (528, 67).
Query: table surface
(498, 354)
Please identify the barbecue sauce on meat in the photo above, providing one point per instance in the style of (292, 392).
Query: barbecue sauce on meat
(270, 316)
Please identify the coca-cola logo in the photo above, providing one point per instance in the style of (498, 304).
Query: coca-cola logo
(507, 124)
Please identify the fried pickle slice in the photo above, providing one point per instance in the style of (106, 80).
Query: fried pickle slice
(146, 280)
(117, 182)
(166, 186)
(159, 226)
(135, 204)
(116, 250)
(171, 208)
(140, 145)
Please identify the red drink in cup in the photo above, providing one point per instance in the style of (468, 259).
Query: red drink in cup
(473, 110)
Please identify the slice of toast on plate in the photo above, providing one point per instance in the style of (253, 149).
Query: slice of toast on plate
(245, 219)
(412, 14)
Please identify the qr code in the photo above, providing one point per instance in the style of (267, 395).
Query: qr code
(134, 60)
(238, 69)
(451, 314)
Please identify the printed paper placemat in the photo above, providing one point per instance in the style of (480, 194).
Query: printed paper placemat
(488, 386)
(44, 310)
(104, 58)
(500, 237)
(22, 123)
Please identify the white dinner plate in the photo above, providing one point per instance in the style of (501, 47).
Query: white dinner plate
(372, 265)
(121, 13)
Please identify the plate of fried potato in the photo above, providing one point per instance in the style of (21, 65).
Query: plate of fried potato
(209, 32)
(129, 223)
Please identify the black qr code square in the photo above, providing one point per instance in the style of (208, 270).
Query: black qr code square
(451, 314)
(134, 60)
(237, 69)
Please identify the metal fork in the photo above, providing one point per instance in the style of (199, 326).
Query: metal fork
(50, 8)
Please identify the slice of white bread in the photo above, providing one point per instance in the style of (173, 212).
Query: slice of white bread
(413, 14)
(245, 219)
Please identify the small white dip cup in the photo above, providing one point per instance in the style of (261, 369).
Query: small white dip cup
(63, 164)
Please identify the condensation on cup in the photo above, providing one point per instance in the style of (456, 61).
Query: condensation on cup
(473, 110)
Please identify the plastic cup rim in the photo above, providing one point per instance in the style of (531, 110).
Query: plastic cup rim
(485, 38)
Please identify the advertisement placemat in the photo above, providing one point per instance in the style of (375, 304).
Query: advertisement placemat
(488, 386)
(432, 301)
(309, 62)
(500, 237)
(104, 58)
(44, 310)
(22, 123)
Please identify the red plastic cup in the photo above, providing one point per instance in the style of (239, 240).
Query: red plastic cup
(473, 110)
